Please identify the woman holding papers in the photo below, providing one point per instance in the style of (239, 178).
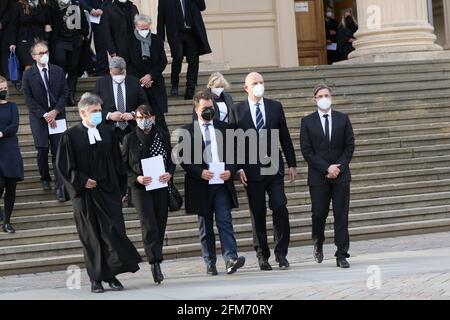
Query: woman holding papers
(11, 164)
(148, 142)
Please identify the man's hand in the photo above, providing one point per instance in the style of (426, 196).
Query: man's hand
(48, 28)
(226, 175)
(145, 181)
(1, 135)
(146, 80)
(334, 171)
(51, 116)
(91, 184)
(332, 32)
(116, 116)
(126, 117)
(12, 47)
(52, 124)
(243, 178)
(207, 175)
(292, 174)
(165, 177)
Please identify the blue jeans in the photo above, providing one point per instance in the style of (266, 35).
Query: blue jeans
(220, 203)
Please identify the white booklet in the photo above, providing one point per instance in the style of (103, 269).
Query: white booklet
(154, 168)
(61, 126)
(95, 20)
(217, 168)
(332, 47)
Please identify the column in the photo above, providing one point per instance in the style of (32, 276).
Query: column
(394, 31)
(447, 23)
(287, 35)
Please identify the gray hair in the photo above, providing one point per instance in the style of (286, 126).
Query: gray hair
(118, 63)
(142, 18)
(89, 99)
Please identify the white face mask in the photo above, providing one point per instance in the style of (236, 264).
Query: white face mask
(44, 59)
(217, 91)
(123, 1)
(258, 90)
(329, 14)
(119, 79)
(324, 104)
(143, 33)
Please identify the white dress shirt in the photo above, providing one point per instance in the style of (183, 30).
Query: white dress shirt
(330, 121)
(93, 134)
(43, 80)
(223, 110)
(214, 150)
(253, 110)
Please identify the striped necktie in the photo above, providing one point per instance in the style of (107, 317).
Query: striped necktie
(121, 106)
(208, 151)
(259, 118)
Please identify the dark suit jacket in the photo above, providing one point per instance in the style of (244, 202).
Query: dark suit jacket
(275, 119)
(170, 19)
(135, 96)
(133, 153)
(197, 189)
(37, 103)
(94, 4)
(320, 153)
(118, 26)
(155, 67)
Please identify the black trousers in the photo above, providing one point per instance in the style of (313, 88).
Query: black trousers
(152, 207)
(42, 158)
(101, 46)
(320, 198)
(69, 60)
(9, 185)
(256, 193)
(120, 134)
(189, 48)
(4, 55)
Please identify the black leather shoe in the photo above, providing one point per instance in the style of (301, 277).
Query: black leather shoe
(46, 185)
(71, 101)
(264, 265)
(174, 92)
(283, 263)
(318, 253)
(8, 228)
(342, 263)
(212, 270)
(115, 284)
(60, 195)
(96, 287)
(158, 277)
(234, 265)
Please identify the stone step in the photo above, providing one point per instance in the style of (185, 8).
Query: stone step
(409, 201)
(179, 222)
(54, 263)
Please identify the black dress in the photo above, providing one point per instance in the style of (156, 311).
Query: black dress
(98, 212)
(11, 164)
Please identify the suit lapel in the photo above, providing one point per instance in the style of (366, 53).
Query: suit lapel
(319, 126)
(110, 88)
(248, 115)
(38, 78)
(334, 122)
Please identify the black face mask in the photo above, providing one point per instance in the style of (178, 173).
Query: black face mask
(208, 114)
(3, 94)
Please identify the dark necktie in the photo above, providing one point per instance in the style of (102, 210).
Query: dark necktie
(47, 87)
(208, 151)
(121, 106)
(259, 118)
(327, 127)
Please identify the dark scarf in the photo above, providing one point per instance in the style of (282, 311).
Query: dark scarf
(146, 140)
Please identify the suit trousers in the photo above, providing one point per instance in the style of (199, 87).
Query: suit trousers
(189, 48)
(101, 48)
(256, 193)
(220, 203)
(321, 196)
(152, 207)
(42, 159)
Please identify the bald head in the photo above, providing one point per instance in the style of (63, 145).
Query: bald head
(254, 79)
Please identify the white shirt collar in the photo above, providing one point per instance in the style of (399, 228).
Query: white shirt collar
(41, 68)
(93, 134)
(321, 113)
(201, 124)
(252, 103)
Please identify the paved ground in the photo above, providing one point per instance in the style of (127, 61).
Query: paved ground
(414, 267)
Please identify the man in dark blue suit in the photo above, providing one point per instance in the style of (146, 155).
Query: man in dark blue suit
(46, 92)
(265, 119)
(95, 8)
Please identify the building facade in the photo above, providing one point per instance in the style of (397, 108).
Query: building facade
(288, 33)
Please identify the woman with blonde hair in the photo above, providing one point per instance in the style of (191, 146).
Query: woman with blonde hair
(346, 35)
(217, 85)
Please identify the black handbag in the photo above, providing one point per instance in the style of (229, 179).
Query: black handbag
(175, 198)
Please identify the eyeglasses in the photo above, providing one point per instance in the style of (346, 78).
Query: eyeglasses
(322, 96)
(40, 53)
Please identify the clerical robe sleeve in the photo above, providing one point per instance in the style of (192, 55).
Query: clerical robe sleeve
(66, 163)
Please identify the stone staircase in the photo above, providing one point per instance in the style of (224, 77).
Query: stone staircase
(401, 167)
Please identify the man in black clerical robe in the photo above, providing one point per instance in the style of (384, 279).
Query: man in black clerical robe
(89, 161)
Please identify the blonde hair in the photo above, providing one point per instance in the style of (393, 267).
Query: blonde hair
(217, 80)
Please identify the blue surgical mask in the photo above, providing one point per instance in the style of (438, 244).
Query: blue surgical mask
(96, 118)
